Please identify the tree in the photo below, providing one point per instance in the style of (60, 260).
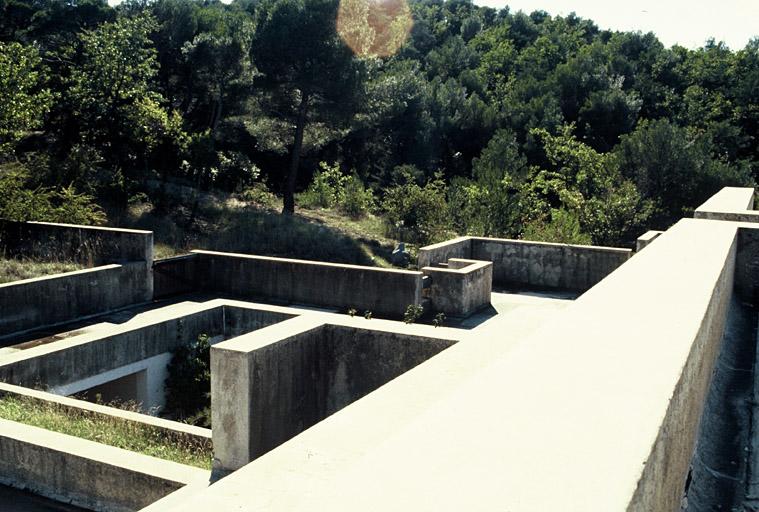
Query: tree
(23, 100)
(309, 75)
(113, 98)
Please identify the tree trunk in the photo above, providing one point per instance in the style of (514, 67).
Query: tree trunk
(288, 207)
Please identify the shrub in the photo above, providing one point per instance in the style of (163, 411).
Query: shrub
(21, 203)
(563, 227)
(413, 313)
(188, 386)
(327, 188)
(356, 200)
(418, 213)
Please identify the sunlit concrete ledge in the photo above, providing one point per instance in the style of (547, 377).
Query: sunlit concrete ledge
(735, 204)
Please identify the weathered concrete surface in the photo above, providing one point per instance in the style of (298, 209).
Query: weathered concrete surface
(461, 288)
(15, 500)
(734, 204)
(87, 474)
(270, 385)
(171, 430)
(51, 300)
(525, 264)
(175, 276)
(582, 415)
(520, 263)
(719, 468)
(645, 239)
(432, 255)
(385, 292)
(150, 334)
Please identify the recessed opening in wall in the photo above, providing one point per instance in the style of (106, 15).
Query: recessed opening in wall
(131, 388)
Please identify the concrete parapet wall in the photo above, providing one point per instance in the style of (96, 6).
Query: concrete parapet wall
(84, 473)
(61, 298)
(520, 263)
(175, 276)
(645, 239)
(462, 288)
(270, 385)
(170, 430)
(65, 362)
(432, 255)
(90, 245)
(385, 292)
(734, 204)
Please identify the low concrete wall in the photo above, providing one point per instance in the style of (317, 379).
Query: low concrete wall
(645, 239)
(270, 385)
(62, 298)
(432, 255)
(175, 276)
(462, 288)
(84, 473)
(170, 430)
(385, 292)
(62, 363)
(519, 263)
(734, 204)
(89, 245)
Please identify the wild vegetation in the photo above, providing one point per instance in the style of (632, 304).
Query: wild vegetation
(108, 430)
(16, 269)
(481, 121)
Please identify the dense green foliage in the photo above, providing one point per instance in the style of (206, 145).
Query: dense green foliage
(188, 386)
(484, 122)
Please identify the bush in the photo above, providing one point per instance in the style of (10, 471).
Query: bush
(19, 202)
(563, 227)
(188, 386)
(418, 214)
(356, 200)
(327, 188)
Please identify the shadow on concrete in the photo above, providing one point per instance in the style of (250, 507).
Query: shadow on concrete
(13, 500)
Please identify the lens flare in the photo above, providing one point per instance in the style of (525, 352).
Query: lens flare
(374, 28)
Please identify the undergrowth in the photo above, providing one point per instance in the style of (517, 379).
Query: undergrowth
(103, 429)
(14, 269)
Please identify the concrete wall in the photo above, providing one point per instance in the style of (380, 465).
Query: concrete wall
(595, 411)
(89, 245)
(519, 263)
(270, 385)
(84, 473)
(462, 288)
(61, 298)
(385, 292)
(645, 239)
(431, 255)
(734, 204)
(175, 276)
(59, 365)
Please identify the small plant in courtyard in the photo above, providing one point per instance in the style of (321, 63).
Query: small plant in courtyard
(439, 319)
(368, 314)
(413, 313)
